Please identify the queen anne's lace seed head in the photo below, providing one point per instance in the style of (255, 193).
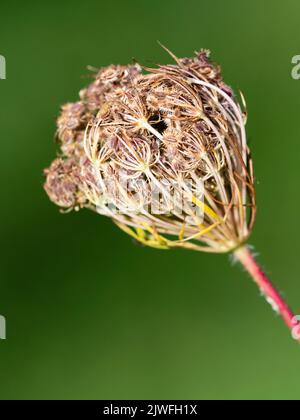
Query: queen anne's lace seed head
(138, 147)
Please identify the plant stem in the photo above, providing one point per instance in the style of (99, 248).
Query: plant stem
(247, 259)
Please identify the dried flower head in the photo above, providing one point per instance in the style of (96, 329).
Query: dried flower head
(139, 147)
(164, 154)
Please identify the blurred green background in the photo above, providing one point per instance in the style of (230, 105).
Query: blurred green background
(91, 315)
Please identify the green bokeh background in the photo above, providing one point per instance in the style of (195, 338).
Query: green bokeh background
(91, 315)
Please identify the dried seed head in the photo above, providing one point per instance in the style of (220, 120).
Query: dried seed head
(63, 182)
(164, 154)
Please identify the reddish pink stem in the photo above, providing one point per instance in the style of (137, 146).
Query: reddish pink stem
(247, 259)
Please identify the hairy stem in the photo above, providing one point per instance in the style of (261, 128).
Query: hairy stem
(272, 296)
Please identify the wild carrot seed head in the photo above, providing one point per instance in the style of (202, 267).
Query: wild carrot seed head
(136, 148)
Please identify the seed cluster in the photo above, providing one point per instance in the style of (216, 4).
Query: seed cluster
(138, 146)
